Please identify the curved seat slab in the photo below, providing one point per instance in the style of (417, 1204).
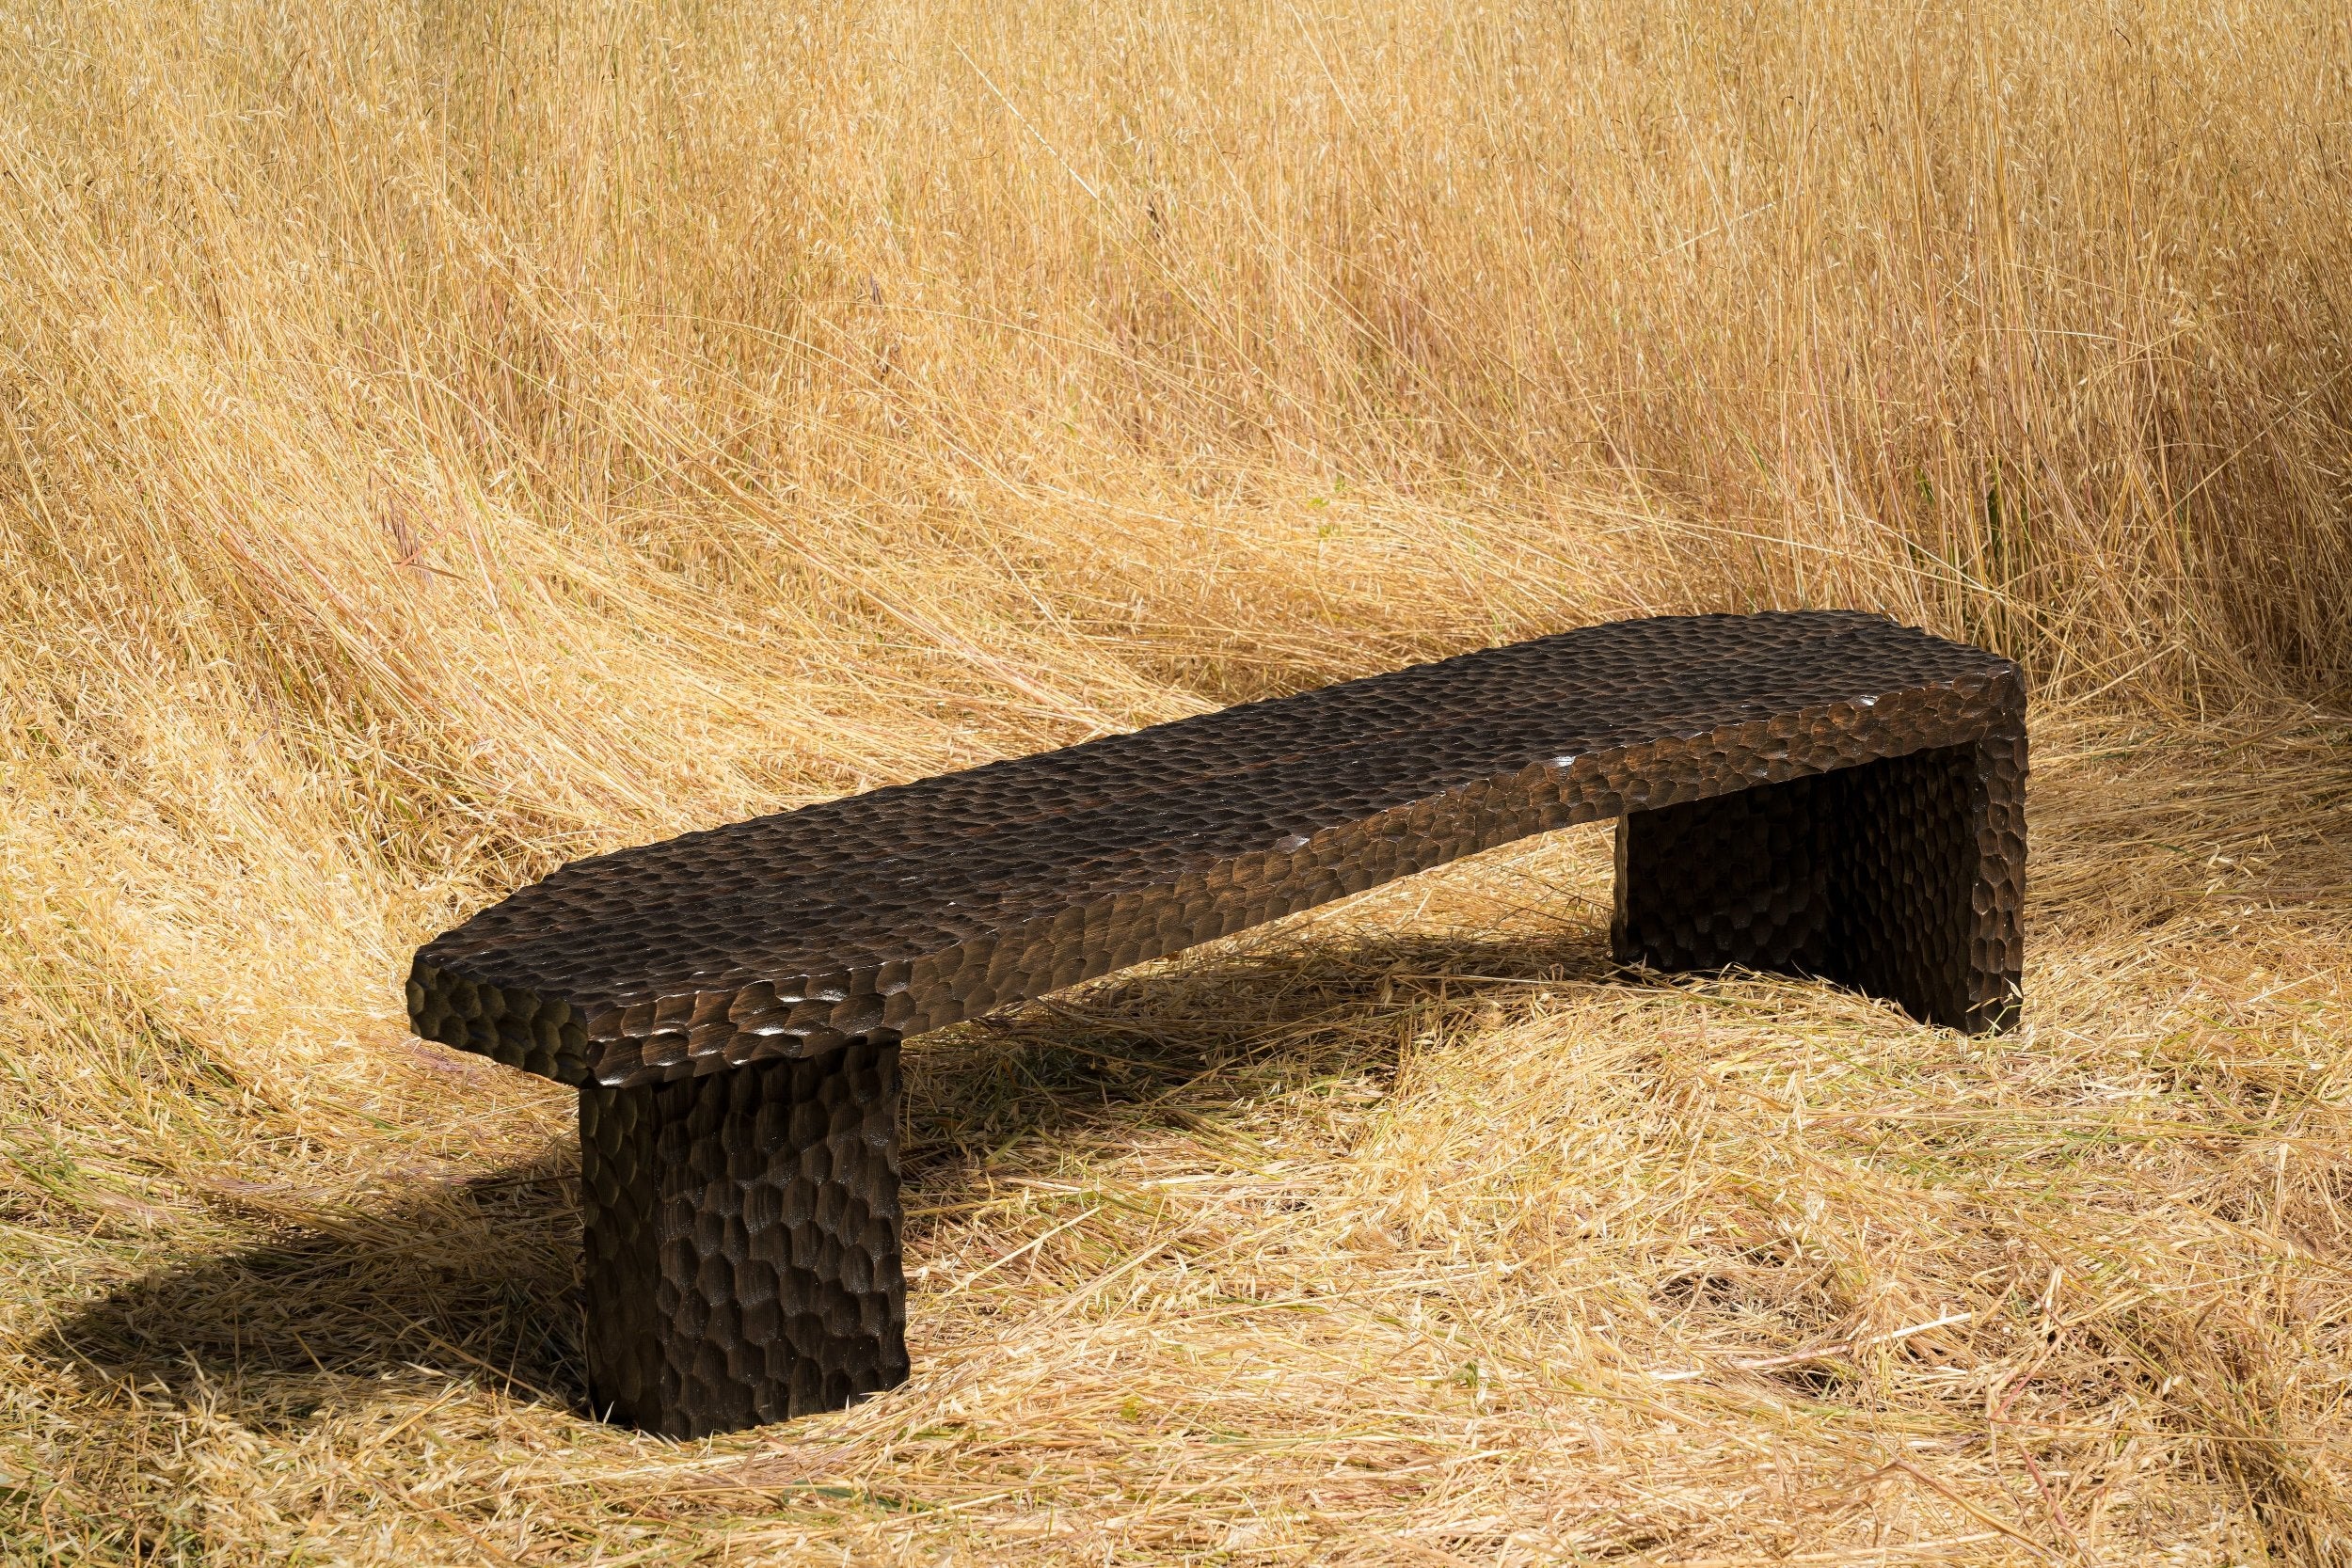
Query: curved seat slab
(869, 918)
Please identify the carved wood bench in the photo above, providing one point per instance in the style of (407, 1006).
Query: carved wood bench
(1825, 794)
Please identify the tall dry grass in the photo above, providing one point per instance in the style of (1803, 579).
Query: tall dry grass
(442, 439)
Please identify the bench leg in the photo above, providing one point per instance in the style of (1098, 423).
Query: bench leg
(741, 1243)
(1901, 877)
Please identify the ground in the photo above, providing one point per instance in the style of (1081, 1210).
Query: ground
(1402, 1230)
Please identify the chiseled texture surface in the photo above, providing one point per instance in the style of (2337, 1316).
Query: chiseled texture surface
(1827, 793)
(866, 919)
(742, 1241)
(1902, 878)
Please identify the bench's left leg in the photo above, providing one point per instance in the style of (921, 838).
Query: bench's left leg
(741, 1243)
(1903, 877)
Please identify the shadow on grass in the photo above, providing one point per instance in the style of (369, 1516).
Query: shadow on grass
(467, 1280)
(475, 1281)
(1169, 1047)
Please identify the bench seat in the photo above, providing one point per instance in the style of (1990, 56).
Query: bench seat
(1822, 793)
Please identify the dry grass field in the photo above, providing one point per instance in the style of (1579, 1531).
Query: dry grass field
(446, 437)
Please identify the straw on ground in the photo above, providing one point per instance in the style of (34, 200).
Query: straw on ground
(442, 441)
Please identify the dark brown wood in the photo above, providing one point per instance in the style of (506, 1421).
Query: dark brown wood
(1901, 878)
(1824, 793)
(742, 1239)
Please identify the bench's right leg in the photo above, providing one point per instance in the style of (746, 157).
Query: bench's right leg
(1902, 878)
(741, 1242)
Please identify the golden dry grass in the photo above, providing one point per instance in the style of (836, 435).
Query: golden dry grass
(444, 440)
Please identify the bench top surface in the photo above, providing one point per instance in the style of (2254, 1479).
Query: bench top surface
(806, 910)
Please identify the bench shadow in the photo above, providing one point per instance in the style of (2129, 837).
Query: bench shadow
(446, 1280)
(1168, 1045)
(476, 1280)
